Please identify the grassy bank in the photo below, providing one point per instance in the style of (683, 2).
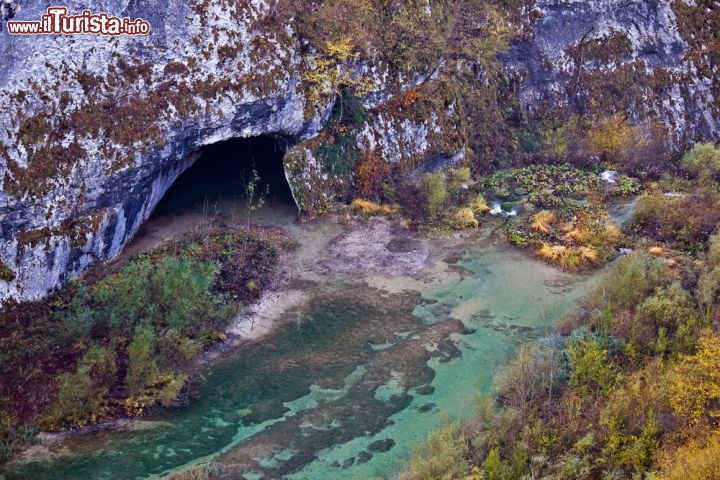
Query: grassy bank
(124, 344)
(628, 386)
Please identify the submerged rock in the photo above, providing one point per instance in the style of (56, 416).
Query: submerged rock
(380, 446)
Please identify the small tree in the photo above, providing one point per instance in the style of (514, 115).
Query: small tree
(703, 160)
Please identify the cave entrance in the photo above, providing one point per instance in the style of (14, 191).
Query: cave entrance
(215, 185)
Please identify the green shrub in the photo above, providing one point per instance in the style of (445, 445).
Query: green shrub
(441, 455)
(707, 290)
(122, 299)
(81, 394)
(13, 438)
(702, 160)
(181, 292)
(458, 177)
(673, 309)
(713, 256)
(78, 402)
(175, 349)
(591, 371)
(101, 365)
(142, 369)
(628, 282)
(495, 468)
(625, 186)
(433, 188)
(170, 386)
(78, 321)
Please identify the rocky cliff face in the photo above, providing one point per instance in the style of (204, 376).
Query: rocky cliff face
(94, 130)
(621, 55)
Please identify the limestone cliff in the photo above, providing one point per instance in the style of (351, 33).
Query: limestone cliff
(94, 130)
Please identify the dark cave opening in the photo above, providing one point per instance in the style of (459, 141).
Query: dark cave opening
(216, 182)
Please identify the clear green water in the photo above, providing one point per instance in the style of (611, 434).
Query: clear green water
(355, 378)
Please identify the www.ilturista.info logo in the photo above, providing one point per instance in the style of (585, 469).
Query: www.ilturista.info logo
(58, 22)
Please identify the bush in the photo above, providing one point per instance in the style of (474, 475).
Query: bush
(78, 402)
(640, 150)
(608, 136)
(479, 205)
(672, 309)
(442, 455)
(628, 282)
(695, 384)
(81, 395)
(175, 349)
(703, 160)
(79, 321)
(458, 177)
(495, 468)
(142, 366)
(688, 220)
(633, 419)
(713, 256)
(464, 218)
(698, 460)
(537, 373)
(591, 371)
(367, 207)
(180, 292)
(433, 188)
(707, 290)
(101, 365)
(13, 438)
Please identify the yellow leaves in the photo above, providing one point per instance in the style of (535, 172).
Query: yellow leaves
(134, 406)
(610, 135)
(552, 252)
(340, 49)
(695, 461)
(546, 251)
(695, 383)
(332, 67)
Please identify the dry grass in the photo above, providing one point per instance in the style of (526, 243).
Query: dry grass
(464, 218)
(479, 205)
(567, 258)
(588, 254)
(366, 207)
(657, 251)
(575, 236)
(542, 221)
(612, 233)
(567, 227)
(551, 252)
(570, 260)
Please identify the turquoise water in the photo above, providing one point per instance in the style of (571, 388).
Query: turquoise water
(343, 390)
